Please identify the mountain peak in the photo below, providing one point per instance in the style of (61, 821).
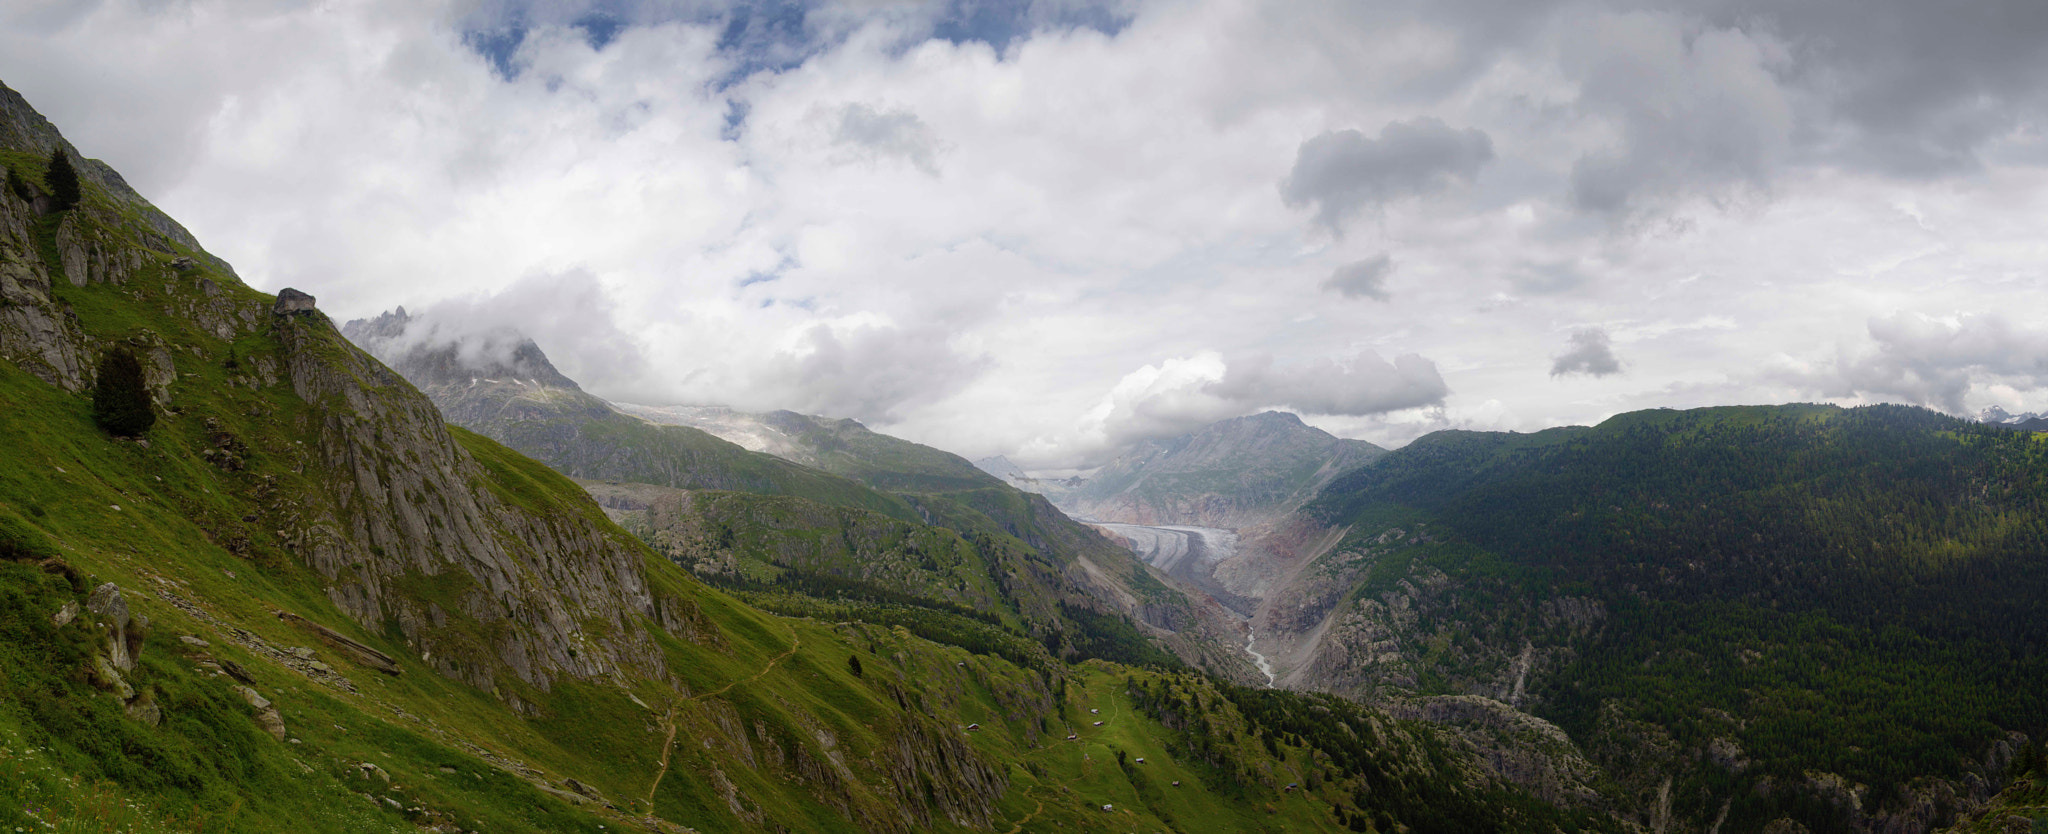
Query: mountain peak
(1000, 467)
(427, 353)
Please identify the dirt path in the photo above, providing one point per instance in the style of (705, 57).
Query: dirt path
(668, 745)
(1014, 829)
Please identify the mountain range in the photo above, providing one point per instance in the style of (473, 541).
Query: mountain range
(435, 585)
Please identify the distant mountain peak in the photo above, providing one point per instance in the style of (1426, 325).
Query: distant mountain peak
(1000, 467)
(427, 353)
(1996, 414)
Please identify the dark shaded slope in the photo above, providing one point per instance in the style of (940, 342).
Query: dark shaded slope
(1738, 596)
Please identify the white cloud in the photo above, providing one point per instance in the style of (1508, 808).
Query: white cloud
(969, 246)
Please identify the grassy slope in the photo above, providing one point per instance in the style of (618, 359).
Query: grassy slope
(159, 521)
(70, 755)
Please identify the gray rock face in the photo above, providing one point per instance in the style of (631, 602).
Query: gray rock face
(1513, 746)
(124, 637)
(291, 302)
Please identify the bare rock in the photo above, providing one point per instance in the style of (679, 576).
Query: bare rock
(254, 698)
(107, 604)
(291, 302)
(65, 615)
(267, 716)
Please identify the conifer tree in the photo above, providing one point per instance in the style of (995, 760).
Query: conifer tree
(63, 179)
(120, 399)
(853, 664)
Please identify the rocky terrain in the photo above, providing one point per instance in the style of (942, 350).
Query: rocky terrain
(1046, 565)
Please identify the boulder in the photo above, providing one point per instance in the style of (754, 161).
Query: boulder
(107, 604)
(65, 615)
(124, 639)
(291, 302)
(267, 716)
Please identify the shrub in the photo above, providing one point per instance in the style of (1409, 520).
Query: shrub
(19, 185)
(120, 400)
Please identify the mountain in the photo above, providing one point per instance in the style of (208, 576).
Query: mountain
(1059, 576)
(2027, 420)
(302, 602)
(1232, 474)
(1054, 489)
(1743, 614)
(503, 387)
(1001, 467)
(842, 447)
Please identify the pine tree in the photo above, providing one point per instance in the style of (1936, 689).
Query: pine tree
(63, 179)
(120, 399)
(853, 664)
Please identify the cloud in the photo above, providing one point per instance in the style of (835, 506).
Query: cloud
(1363, 384)
(568, 315)
(865, 370)
(1105, 195)
(871, 135)
(1590, 353)
(1362, 279)
(1689, 111)
(1936, 362)
(1185, 393)
(1342, 173)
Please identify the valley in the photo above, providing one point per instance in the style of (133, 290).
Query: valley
(357, 577)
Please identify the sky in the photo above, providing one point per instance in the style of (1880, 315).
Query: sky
(1049, 229)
